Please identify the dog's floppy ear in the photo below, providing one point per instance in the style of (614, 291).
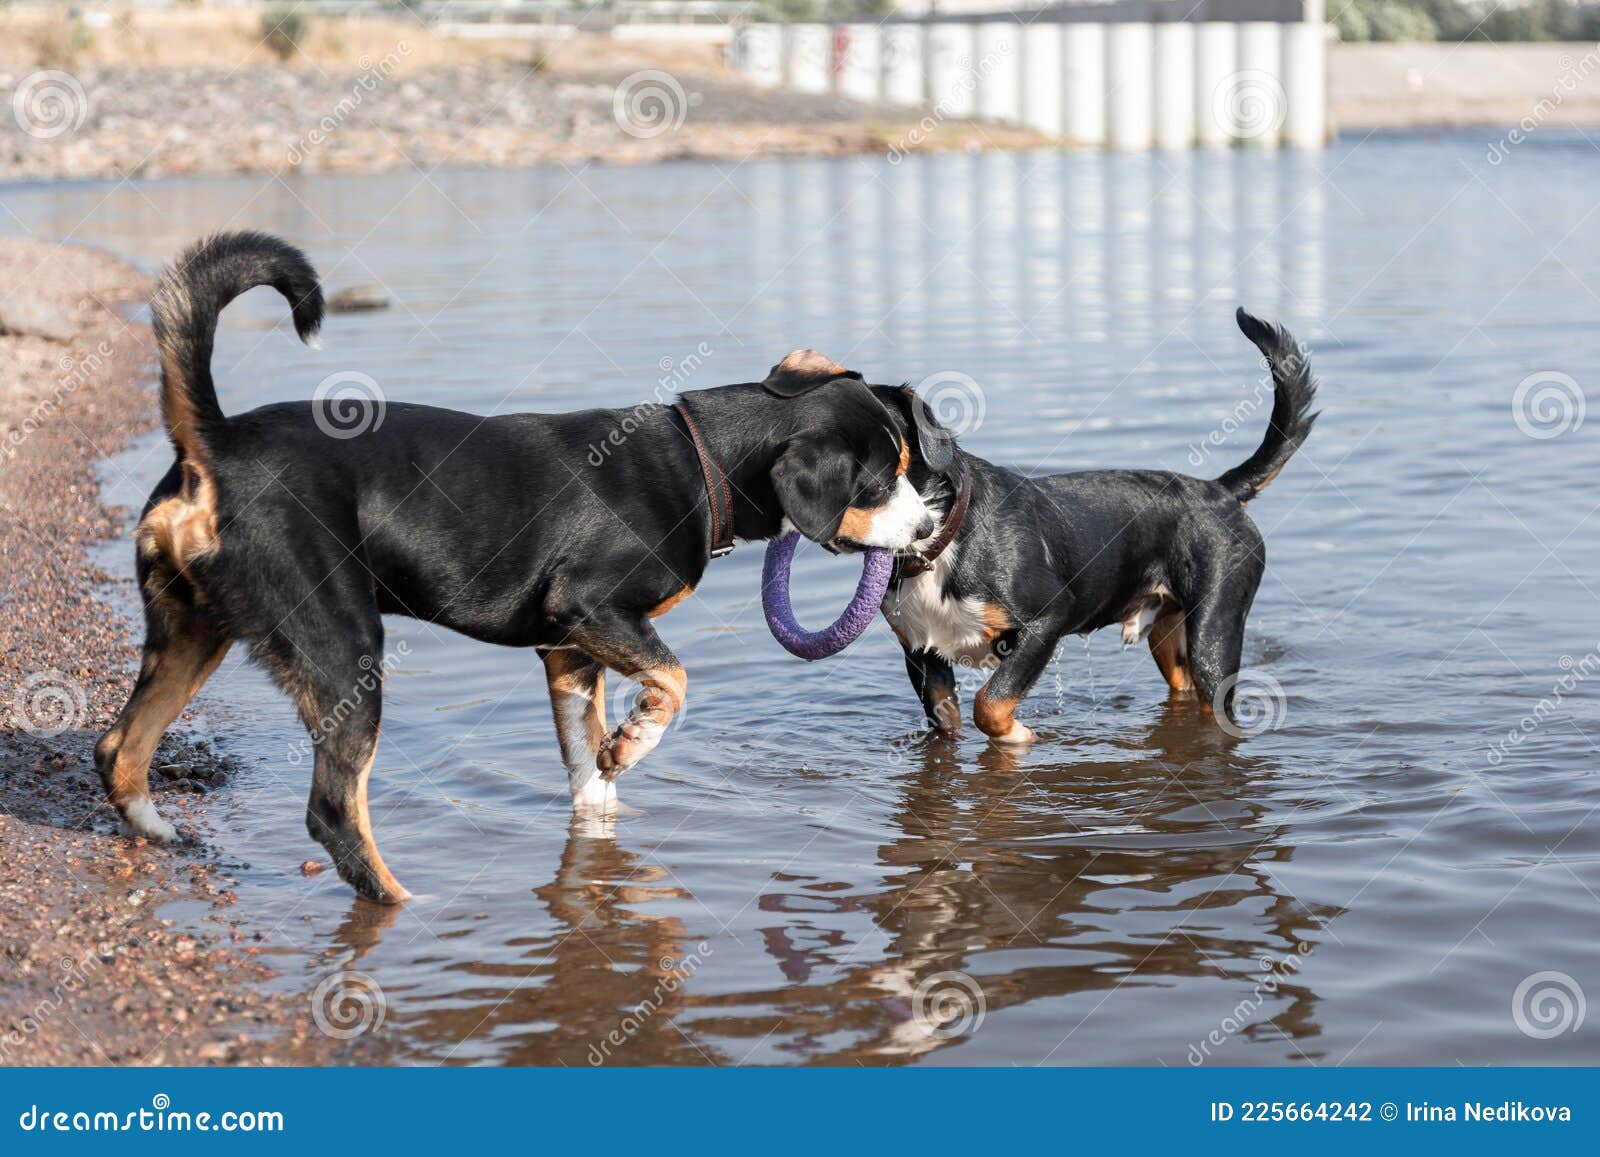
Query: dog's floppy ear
(932, 440)
(802, 371)
(812, 481)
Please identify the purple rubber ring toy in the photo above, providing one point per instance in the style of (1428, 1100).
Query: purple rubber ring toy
(811, 645)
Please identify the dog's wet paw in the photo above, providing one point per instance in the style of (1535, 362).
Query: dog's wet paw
(1018, 736)
(626, 746)
(140, 819)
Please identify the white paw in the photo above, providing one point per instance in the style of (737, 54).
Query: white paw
(140, 818)
(1018, 735)
(597, 795)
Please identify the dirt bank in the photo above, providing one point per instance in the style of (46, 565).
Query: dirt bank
(1448, 85)
(168, 97)
(91, 969)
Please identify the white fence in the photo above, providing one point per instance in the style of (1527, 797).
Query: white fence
(1124, 84)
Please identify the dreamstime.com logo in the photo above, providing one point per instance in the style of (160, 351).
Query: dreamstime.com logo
(348, 404)
(673, 974)
(674, 374)
(1547, 1004)
(1276, 971)
(948, 1005)
(650, 104)
(1259, 704)
(74, 975)
(629, 698)
(160, 1117)
(74, 371)
(968, 79)
(347, 1004)
(1574, 672)
(368, 683)
(49, 104)
(372, 78)
(1568, 82)
(956, 400)
(1249, 104)
(1548, 404)
(47, 703)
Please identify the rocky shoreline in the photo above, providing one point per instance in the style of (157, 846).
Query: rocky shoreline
(137, 121)
(91, 971)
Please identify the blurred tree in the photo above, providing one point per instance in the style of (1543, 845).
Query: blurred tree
(1454, 20)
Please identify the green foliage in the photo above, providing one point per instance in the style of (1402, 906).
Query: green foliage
(285, 31)
(1456, 20)
(812, 10)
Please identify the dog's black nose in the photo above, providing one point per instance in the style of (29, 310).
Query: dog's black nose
(926, 527)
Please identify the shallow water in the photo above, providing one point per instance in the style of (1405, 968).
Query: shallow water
(801, 875)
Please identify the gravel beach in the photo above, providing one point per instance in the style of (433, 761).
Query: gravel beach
(91, 971)
(176, 93)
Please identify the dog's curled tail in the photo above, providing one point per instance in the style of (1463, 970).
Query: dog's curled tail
(1293, 391)
(190, 295)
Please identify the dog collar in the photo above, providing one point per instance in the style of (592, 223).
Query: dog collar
(717, 492)
(911, 565)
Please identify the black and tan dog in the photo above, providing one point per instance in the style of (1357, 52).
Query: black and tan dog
(1020, 562)
(267, 531)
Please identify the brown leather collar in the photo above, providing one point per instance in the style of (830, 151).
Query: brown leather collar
(911, 565)
(717, 492)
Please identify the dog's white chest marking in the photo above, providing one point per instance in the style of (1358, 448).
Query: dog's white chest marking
(925, 618)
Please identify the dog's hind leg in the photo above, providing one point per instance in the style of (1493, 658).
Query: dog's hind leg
(336, 814)
(1215, 638)
(327, 653)
(1169, 646)
(577, 699)
(180, 653)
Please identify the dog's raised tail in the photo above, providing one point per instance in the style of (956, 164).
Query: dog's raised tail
(1293, 391)
(188, 299)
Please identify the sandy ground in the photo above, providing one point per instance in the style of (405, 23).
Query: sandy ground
(1444, 85)
(91, 971)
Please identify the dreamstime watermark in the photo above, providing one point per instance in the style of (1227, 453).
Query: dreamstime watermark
(49, 104)
(1547, 1004)
(368, 682)
(651, 103)
(1275, 971)
(1574, 673)
(74, 371)
(627, 703)
(1259, 704)
(348, 404)
(955, 400)
(160, 1117)
(966, 84)
(372, 78)
(948, 1005)
(1262, 393)
(74, 974)
(674, 373)
(1548, 404)
(346, 1004)
(1249, 104)
(673, 974)
(47, 703)
(1567, 83)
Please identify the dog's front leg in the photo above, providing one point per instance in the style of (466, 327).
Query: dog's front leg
(935, 683)
(994, 708)
(629, 645)
(577, 699)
